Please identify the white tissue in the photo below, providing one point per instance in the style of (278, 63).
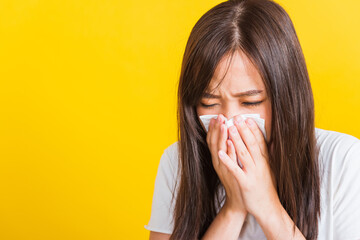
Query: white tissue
(205, 119)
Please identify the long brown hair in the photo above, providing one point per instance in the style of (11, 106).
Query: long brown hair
(265, 33)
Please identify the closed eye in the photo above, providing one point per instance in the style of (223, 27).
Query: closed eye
(208, 106)
(244, 103)
(252, 103)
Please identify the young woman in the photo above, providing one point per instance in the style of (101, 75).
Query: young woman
(300, 182)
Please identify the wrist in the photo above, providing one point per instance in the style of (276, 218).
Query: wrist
(277, 224)
(273, 213)
(229, 212)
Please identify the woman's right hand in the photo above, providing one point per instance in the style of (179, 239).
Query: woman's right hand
(217, 139)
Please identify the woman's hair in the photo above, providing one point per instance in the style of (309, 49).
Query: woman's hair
(264, 32)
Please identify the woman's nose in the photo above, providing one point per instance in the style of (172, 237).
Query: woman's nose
(231, 110)
(230, 115)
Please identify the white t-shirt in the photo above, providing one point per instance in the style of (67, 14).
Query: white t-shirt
(339, 164)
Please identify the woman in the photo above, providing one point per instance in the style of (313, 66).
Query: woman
(300, 182)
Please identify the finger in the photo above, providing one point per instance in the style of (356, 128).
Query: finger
(214, 139)
(211, 123)
(258, 135)
(249, 139)
(231, 150)
(222, 135)
(235, 170)
(208, 135)
(209, 140)
(241, 150)
(232, 153)
(221, 118)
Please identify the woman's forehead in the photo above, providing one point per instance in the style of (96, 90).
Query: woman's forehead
(236, 84)
(238, 74)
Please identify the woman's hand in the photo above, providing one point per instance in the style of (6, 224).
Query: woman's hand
(256, 180)
(217, 139)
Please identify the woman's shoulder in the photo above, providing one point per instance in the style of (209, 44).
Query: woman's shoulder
(339, 155)
(337, 150)
(164, 190)
(335, 142)
(169, 158)
(172, 149)
(334, 136)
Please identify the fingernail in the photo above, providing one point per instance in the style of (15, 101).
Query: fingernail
(250, 122)
(238, 120)
(241, 122)
(221, 153)
(211, 122)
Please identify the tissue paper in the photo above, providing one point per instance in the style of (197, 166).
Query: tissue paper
(205, 119)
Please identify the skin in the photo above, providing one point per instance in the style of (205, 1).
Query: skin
(241, 76)
(251, 189)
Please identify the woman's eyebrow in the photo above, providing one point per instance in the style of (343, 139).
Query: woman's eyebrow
(241, 94)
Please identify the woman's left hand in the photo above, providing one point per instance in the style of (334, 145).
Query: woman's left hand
(256, 180)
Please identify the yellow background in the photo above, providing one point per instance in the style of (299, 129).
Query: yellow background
(88, 104)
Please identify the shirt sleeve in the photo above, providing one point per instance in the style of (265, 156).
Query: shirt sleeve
(347, 194)
(161, 219)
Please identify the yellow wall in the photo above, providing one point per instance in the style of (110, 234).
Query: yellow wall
(88, 104)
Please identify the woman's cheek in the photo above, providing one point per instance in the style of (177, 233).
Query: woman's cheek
(200, 111)
(203, 111)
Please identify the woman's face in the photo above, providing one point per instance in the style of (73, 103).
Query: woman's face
(241, 87)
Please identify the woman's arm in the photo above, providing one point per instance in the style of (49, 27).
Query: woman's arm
(277, 224)
(258, 183)
(226, 225)
(159, 236)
